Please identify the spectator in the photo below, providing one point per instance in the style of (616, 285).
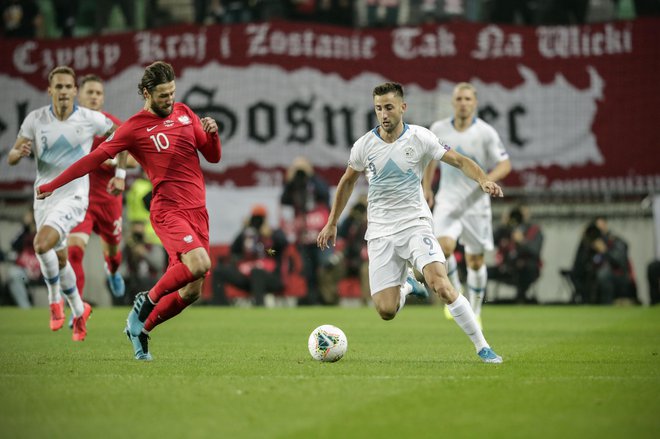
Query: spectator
(602, 270)
(21, 19)
(24, 265)
(350, 258)
(383, 13)
(255, 263)
(518, 255)
(306, 200)
(65, 16)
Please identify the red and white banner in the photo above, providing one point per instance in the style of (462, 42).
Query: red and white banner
(575, 105)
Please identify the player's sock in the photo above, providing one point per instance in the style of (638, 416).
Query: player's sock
(452, 273)
(465, 318)
(167, 307)
(76, 255)
(68, 281)
(113, 262)
(175, 277)
(50, 269)
(476, 282)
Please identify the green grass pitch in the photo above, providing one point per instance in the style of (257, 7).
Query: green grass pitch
(569, 372)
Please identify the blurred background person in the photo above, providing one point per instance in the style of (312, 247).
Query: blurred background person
(602, 273)
(306, 206)
(255, 261)
(23, 269)
(21, 19)
(518, 258)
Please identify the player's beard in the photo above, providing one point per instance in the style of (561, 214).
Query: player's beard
(162, 112)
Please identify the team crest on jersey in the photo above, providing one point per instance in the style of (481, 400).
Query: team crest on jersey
(188, 239)
(184, 119)
(168, 123)
(409, 152)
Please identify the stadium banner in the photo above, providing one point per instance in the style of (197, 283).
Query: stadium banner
(574, 105)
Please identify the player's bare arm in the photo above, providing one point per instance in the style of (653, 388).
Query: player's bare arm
(344, 190)
(22, 148)
(427, 182)
(500, 171)
(117, 184)
(473, 171)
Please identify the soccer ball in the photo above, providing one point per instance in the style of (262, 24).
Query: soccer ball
(327, 343)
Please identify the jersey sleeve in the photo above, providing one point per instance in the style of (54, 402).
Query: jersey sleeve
(356, 158)
(27, 127)
(100, 122)
(118, 141)
(435, 148)
(495, 147)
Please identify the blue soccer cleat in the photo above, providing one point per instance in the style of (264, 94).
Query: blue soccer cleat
(140, 345)
(488, 355)
(116, 283)
(133, 323)
(418, 288)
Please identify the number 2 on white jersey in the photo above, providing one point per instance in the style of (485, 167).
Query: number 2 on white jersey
(160, 140)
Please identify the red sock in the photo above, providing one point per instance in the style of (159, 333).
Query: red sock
(168, 307)
(113, 262)
(76, 255)
(175, 278)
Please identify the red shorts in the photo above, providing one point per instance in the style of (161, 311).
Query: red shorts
(104, 219)
(181, 231)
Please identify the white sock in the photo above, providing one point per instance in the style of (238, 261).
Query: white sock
(406, 289)
(68, 282)
(51, 272)
(465, 318)
(476, 283)
(452, 274)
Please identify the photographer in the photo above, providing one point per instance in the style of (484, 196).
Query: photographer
(518, 257)
(601, 271)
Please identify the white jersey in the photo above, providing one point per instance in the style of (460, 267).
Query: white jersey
(57, 144)
(481, 143)
(394, 172)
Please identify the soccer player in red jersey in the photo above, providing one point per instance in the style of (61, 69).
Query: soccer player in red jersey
(164, 139)
(104, 214)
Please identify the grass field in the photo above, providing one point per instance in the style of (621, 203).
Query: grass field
(569, 372)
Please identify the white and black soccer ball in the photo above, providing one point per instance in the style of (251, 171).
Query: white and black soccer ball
(327, 343)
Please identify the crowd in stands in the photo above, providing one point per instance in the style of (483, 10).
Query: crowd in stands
(67, 18)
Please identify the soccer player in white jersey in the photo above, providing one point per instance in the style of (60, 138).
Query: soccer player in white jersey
(58, 135)
(393, 157)
(462, 210)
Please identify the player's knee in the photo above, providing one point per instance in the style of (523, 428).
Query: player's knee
(199, 265)
(41, 246)
(386, 313)
(191, 294)
(443, 289)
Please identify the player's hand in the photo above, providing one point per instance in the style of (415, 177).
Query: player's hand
(492, 188)
(326, 236)
(42, 195)
(24, 149)
(116, 186)
(209, 125)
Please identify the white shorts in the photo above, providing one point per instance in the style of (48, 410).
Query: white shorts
(475, 231)
(389, 255)
(62, 215)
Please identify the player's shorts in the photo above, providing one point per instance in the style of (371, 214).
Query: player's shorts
(104, 219)
(181, 231)
(61, 214)
(388, 256)
(475, 231)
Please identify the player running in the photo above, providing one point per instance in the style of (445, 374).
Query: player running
(462, 209)
(59, 134)
(393, 157)
(104, 215)
(164, 138)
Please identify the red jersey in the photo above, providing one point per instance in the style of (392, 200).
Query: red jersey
(166, 148)
(99, 177)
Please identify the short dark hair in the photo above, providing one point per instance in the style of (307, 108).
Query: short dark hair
(66, 70)
(155, 74)
(90, 78)
(388, 87)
